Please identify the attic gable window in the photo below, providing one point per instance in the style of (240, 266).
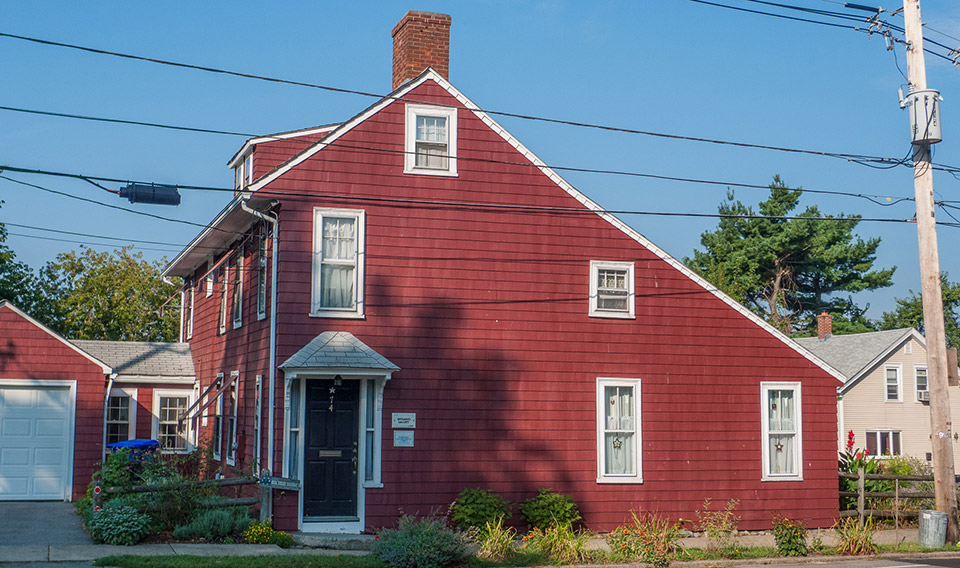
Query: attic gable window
(611, 289)
(338, 259)
(431, 140)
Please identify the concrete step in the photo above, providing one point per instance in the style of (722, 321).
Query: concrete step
(346, 542)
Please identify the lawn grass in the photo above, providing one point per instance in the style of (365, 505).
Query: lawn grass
(265, 561)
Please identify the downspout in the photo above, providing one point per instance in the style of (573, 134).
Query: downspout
(275, 243)
(106, 402)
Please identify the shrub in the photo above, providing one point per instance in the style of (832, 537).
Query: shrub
(420, 543)
(651, 538)
(854, 539)
(119, 524)
(263, 533)
(791, 537)
(719, 526)
(214, 524)
(559, 543)
(494, 541)
(549, 509)
(477, 507)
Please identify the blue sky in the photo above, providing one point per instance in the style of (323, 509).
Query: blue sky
(672, 66)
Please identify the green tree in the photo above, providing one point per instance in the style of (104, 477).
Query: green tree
(18, 283)
(789, 270)
(115, 296)
(909, 312)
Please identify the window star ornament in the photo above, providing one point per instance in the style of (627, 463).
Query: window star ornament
(779, 447)
(617, 443)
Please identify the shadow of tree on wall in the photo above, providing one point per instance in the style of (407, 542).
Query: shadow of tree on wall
(8, 354)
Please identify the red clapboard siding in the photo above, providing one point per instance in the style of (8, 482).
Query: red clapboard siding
(485, 311)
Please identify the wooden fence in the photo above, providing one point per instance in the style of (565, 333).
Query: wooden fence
(899, 495)
(265, 481)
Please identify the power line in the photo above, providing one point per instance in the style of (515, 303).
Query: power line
(857, 158)
(95, 236)
(91, 244)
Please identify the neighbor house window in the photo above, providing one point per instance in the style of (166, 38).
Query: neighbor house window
(238, 290)
(232, 423)
(262, 277)
(188, 299)
(169, 406)
(618, 431)
(121, 415)
(892, 383)
(611, 289)
(338, 255)
(222, 315)
(883, 443)
(431, 140)
(782, 446)
(922, 386)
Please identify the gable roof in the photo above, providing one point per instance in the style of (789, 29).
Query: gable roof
(337, 350)
(143, 361)
(856, 354)
(103, 366)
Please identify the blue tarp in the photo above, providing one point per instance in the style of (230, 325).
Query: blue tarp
(139, 444)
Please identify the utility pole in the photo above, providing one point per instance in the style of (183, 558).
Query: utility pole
(933, 323)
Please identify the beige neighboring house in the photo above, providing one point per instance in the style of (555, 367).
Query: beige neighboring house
(884, 398)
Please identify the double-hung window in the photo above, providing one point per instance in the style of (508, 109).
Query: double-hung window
(611, 289)
(232, 423)
(892, 383)
(222, 315)
(618, 431)
(782, 444)
(883, 443)
(216, 436)
(922, 385)
(431, 140)
(169, 406)
(338, 261)
(121, 415)
(188, 299)
(262, 277)
(238, 290)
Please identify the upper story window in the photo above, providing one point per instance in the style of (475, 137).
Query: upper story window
(618, 431)
(243, 173)
(188, 301)
(338, 255)
(892, 384)
(922, 385)
(262, 277)
(431, 140)
(782, 448)
(238, 290)
(611, 289)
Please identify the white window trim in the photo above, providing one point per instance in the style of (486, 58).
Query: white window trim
(193, 308)
(236, 305)
(637, 476)
(209, 284)
(131, 395)
(916, 387)
(164, 393)
(262, 279)
(222, 314)
(877, 432)
(766, 387)
(357, 312)
(410, 147)
(899, 368)
(234, 393)
(595, 267)
(217, 428)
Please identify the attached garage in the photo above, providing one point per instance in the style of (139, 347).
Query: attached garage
(51, 411)
(36, 439)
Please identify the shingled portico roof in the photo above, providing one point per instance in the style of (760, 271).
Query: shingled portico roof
(143, 361)
(337, 350)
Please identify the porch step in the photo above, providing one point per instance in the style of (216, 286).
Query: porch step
(332, 541)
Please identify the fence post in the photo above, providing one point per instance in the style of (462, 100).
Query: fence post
(266, 498)
(896, 504)
(860, 495)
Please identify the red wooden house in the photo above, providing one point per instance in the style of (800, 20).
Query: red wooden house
(409, 303)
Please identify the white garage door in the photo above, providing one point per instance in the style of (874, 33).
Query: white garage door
(35, 442)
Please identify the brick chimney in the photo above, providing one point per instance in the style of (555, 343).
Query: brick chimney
(824, 325)
(420, 40)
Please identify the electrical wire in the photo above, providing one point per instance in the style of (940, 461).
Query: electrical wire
(91, 244)
(94, 236)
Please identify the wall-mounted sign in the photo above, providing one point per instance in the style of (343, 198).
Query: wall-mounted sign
(404, 419)
(403, 438)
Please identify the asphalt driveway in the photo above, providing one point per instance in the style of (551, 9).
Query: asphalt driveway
(40, 523)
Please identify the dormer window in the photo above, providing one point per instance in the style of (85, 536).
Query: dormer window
(431, 141)
(243, 173)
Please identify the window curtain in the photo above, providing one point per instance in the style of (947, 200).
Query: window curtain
(619, 441)
(782, 427)
(336, 275)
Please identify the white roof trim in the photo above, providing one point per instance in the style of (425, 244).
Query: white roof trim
(106, 369)
(359, 372)
(184, 380)
(894, 345)
(431, 75)
(237, 158)
(212, 226)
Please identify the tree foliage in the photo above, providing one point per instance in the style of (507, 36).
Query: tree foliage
(18, 284)
(909, 312)
(114, 296)
(789, 270)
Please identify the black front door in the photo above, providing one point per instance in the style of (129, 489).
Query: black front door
(331, 451)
